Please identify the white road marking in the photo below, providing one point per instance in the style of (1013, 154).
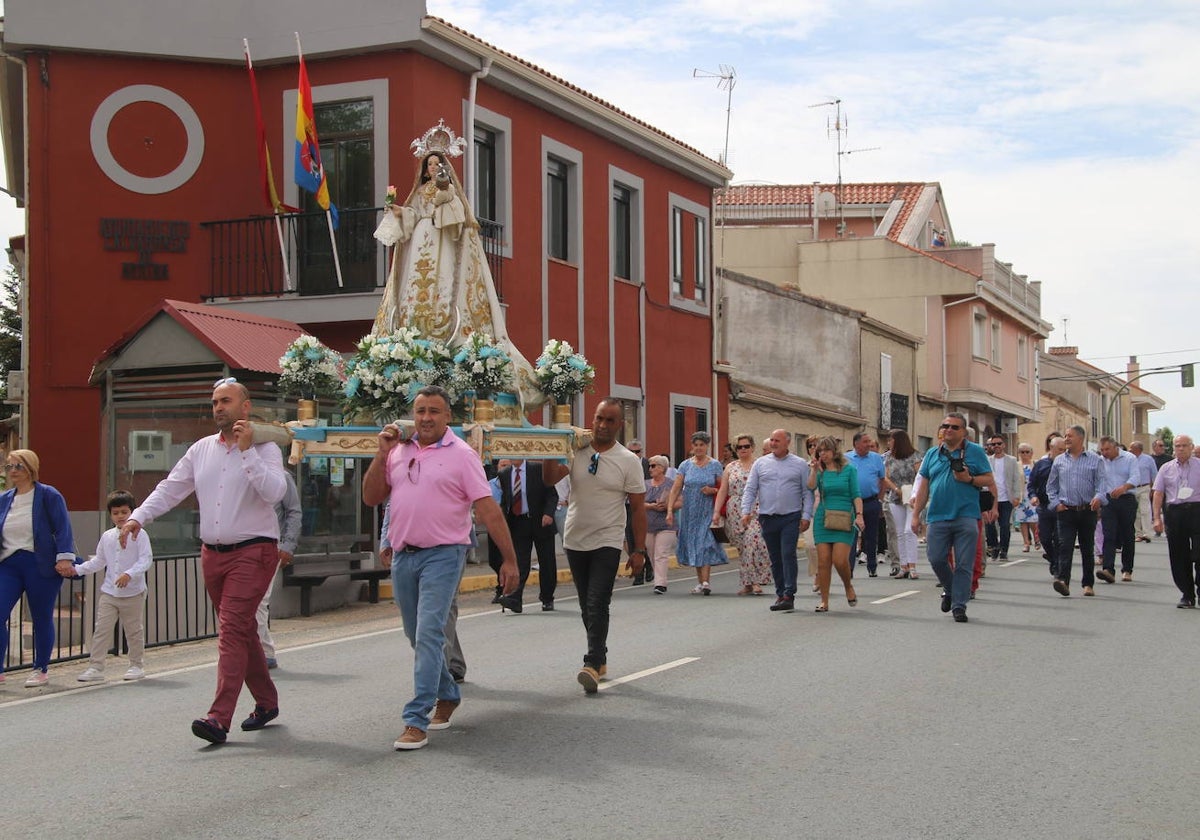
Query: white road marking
(897, 596)
(648, 672)
(1014, 562)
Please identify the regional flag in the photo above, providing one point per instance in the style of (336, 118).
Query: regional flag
(309, 173)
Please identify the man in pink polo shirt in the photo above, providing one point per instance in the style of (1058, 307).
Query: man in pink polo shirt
(432, 482)
(237, 483)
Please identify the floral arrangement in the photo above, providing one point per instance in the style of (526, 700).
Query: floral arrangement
(561, 373)
(310, 369)
(389, 198)
(482, 366)
(386, 371)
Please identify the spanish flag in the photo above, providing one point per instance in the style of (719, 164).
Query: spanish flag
(264, 151)
(309, 173)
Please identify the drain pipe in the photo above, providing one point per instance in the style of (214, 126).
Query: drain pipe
(469, 131)
(945, 306)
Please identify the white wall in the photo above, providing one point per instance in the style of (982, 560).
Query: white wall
(211, 29)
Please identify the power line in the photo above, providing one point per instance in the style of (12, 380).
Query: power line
(1140, 355)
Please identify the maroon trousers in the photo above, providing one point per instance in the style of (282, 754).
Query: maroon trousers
(236, 582)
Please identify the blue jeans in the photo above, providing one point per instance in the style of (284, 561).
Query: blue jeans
(960, 534)
(780, 532)
(424, 584)
(19, 575)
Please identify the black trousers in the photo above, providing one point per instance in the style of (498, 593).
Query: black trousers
(1183, 546)
(1048, 531)
(595, 572)
(872, 510)
(999, 533)
(528, 535)
(1118, 519)
(1077, 525)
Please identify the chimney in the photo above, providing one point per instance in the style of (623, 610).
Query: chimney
(1132, 369)
(1069, 352)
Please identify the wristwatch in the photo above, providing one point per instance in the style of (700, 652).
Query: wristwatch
(640, 551)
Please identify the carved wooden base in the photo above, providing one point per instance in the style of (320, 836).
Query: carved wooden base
(491, 442)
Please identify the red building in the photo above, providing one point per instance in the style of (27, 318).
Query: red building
(132, 149)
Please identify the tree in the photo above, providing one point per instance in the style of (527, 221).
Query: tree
(10, 333)
(1165, 434)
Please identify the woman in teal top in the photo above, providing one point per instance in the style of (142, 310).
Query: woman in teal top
(837, 482)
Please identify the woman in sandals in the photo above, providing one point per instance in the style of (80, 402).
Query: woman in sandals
(837, 482)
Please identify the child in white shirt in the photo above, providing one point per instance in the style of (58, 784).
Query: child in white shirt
(123, 593)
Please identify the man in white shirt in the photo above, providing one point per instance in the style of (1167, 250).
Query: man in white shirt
(1010, 491)
(237, 483)
(1146, 472)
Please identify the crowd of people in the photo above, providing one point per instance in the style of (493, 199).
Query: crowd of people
(609, 502)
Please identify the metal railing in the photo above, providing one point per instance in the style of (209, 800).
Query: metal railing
(177, 610)
(893, 411)
(246, 260)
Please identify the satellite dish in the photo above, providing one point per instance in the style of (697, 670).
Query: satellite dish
(826, 202)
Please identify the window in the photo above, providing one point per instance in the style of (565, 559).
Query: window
(485, 174)
(979, 336)
(558, 215)
(701, 261)
(1022, 357)
(622, 232)
(676, 251)
(996, 342)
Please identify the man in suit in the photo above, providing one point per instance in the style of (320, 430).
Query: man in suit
(1010, 491)
(529, 507)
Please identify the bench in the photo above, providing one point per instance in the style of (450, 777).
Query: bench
(319, 558)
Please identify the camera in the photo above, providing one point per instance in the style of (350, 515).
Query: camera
(959, 463)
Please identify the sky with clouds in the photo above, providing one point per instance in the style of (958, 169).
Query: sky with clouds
(1068, 134)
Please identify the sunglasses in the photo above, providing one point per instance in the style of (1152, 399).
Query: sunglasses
(595, 464)
(17, 467)
(949, 426)
(228, 380)
(413, 462)
(636, 451)
(744, 446)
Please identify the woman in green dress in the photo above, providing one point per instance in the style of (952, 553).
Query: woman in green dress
(837, 482)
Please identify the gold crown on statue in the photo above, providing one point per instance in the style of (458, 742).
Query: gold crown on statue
(440, 139)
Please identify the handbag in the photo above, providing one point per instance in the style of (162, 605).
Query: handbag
(719, 534)
(838, 520)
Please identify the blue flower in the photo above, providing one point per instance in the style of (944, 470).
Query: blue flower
(577, 363)
(461, 357)
(352, 386)
(391, 370)
(312, 354)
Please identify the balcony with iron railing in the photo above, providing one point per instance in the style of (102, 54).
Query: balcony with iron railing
(290, 254)
(893, 411)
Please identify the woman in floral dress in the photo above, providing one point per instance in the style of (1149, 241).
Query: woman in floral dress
(755, 572)
(698, 482)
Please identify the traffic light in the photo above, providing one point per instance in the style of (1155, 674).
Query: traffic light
(1187, 375)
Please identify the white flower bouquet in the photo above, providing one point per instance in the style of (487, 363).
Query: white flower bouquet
(561, 373)
(309, 369)
(482, 366)
(386, 371)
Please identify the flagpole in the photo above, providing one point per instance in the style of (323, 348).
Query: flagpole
(283, 259)
(337, 263)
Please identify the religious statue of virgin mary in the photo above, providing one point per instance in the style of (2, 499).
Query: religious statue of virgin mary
(439, 283)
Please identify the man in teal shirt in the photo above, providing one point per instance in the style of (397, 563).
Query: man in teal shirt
(954, 474)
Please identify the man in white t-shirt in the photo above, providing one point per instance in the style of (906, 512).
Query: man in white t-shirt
(604, 475)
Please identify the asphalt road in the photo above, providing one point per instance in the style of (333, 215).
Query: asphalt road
(1043, 717)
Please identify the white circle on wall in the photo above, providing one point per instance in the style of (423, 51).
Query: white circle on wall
(174, 103)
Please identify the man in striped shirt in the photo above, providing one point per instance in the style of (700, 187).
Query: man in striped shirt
(1075, 488)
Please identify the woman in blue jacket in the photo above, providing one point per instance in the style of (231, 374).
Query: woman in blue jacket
(37, 550)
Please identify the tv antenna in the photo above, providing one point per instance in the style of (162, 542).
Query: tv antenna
(727, 79)
(838, 126)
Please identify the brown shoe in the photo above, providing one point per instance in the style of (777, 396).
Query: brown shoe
(1106, 576)
(1087, 590)
(589, 678)
(441, 714)
(1126, 576)
(1061, 587)
(412, 739)
(602, 672)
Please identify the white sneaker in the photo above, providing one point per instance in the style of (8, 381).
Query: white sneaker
(134, 673)
(697, 589)
(37, 678)
(91, 675)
